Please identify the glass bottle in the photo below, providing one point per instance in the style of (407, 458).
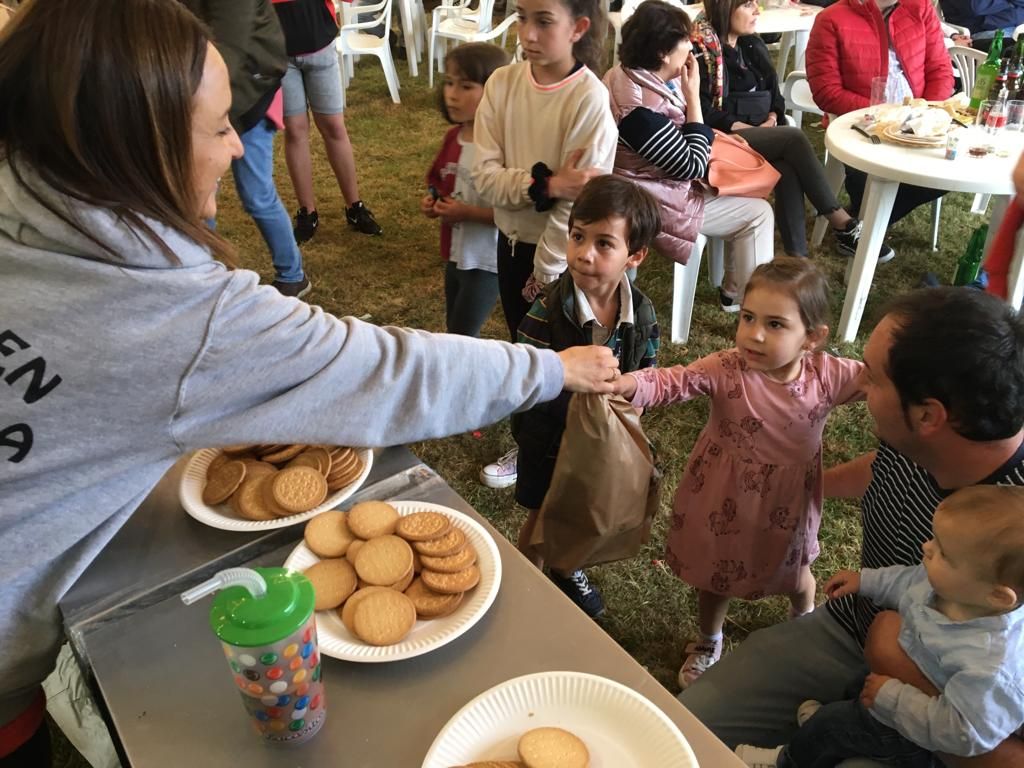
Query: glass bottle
(987, 73)
(968, 265)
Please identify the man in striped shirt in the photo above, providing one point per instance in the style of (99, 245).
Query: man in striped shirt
(944, 380)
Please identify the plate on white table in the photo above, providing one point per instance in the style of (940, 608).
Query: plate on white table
(337, 641)
(621, 728)
(222, 516)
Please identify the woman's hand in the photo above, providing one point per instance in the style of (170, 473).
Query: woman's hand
(771, 121)
(569, 181)
(690, 77)
(589, 369)
(427, 207)
(450, 210)
(739, 125)
(842, 584)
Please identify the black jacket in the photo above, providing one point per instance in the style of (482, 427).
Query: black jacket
(755, 54)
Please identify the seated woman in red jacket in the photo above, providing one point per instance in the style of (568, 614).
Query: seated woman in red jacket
(853, 42)
(739, 93)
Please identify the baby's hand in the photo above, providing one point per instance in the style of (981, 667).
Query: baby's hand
(872, 685)
(427, 206)
(842, 584)
(625, 385)
(451, 210)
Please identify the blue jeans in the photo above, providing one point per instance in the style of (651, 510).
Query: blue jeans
(846, 729)
(254, 178)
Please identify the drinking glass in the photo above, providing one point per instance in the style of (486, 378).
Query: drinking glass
(1015, 115)
(877, 96)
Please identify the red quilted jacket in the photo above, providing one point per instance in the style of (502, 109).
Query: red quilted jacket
(848, 47)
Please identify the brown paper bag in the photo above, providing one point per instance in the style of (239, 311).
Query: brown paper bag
(604, 491)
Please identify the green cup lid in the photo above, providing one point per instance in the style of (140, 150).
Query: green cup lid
(239, 618)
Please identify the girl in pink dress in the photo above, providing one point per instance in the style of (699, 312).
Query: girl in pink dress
(746, 515)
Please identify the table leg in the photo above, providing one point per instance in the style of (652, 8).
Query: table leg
(800, 38)
(879, 195)
(785, 45)
(408, 18)
(834, 176)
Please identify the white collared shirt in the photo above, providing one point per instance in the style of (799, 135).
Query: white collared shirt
(584, 314)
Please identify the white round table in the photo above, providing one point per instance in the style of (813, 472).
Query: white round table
(794, 21)
(887, 166)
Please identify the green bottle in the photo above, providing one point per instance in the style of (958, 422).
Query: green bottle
(968, 265)
(987, 73)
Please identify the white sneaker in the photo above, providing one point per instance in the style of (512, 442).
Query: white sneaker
(699, 656)
(758, 757)
(806, 711)
(503, 472)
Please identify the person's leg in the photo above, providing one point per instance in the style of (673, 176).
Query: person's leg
(782, 146)
(909, 197)
(747, 225)
(515, 265)
(451, 293)
(476, 291)
(296, 134)
(845, 729)
(855, 182)
(339, 154)
(802, 599)
(752, 694)
(254, 179)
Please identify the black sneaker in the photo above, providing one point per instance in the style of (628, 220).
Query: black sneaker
(306, 223)
(360, 217)
(298, 290)
(579, 589)
(728, 303)
(847, 239)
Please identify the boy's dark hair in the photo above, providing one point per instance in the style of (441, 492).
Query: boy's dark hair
(475, 62)
(802, 280)
(964, 348)
(606, 196)
(653, 31)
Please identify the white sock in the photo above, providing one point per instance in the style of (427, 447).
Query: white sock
(710, 639)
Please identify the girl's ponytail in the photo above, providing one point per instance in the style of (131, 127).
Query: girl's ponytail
(589, 49)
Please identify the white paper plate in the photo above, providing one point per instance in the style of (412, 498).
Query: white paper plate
(222, 516)
(620, 727)
(337, 641)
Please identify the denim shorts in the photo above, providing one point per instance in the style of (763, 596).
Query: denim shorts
(314, 78)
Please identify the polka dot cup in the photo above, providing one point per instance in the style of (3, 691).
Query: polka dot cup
(271, 648)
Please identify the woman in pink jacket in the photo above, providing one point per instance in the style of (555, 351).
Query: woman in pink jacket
(853, 42)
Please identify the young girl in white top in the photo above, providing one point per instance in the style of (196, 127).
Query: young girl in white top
(468, 235)
(542, 131)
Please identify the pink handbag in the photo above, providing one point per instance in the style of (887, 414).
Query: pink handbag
(736, 170)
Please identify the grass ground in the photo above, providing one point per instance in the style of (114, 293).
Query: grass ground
(397, 280)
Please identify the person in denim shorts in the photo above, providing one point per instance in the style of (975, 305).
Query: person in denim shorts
(313, 81)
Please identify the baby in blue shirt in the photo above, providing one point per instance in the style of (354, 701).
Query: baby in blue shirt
(962, 624)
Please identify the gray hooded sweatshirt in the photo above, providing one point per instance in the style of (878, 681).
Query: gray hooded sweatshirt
(110, 370)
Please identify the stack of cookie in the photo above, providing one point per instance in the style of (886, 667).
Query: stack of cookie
(371, 556)
(265, 482)
(543, 748)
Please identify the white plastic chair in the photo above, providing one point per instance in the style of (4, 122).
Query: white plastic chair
(464, 24)
(684, 284)
(1018, 30)
(966, 61)
(797, 93)
(354, 40)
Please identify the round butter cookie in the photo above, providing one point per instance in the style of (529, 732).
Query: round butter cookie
(348, 609)
(248, 501)
(442, 546)
(384, 560)
(430, 604)
(353, 550)
(327, 534)
(553, 748)
(460, 561)
(420, 526)
(450, 583)
(333, 581)
(369, 519)
(384, 618)
(492, 764)
(223, 482)
(298, 489)
(284, 453)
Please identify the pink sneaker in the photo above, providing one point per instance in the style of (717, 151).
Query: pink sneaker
(699, 656)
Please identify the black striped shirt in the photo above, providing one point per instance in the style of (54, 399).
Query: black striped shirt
(897, 512)
(680, 152)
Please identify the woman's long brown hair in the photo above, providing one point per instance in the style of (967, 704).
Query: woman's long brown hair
(96, 98)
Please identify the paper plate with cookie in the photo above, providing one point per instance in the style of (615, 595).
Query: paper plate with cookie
(563, 719)
(260, 487)
(396, 579)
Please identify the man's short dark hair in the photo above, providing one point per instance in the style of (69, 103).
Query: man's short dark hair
(964, 348)
(654, 30)
(607, 196)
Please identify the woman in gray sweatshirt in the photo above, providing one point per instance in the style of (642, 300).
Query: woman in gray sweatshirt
(125, 342)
